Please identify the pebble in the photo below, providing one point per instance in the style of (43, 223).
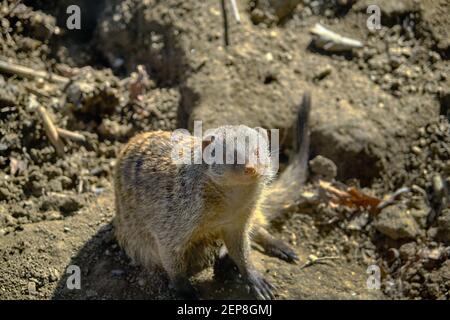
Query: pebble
(91, 293)
(141, 282)
(397, 223)
(407, 251)
(323, 72)
(324, 167)
(117, 273)
(53, 275)
(416, 150)
(32, 288)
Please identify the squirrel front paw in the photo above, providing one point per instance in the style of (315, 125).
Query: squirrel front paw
(259, 286)
(225, 268)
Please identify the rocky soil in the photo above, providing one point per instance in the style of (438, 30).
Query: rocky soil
(380, 123)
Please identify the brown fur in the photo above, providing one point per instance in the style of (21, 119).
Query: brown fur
(177, 217)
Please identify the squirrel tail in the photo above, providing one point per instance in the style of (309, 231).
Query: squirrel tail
(284, 191)
(302, 140)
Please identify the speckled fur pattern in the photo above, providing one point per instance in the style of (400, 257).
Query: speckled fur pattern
(175, 216)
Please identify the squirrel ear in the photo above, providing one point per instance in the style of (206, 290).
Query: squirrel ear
(207, 141)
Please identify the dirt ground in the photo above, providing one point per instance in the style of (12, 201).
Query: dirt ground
(380, 124)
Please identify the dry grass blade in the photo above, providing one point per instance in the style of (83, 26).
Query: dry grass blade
(312, 260)
(25, 72)
(71, 135)
(331, 41)
(51, 130)
(235, 11)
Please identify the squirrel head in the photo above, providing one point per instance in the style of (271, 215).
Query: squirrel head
(237, 155)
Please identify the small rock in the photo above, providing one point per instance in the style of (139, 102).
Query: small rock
(93, 92)
(6, 220)
(443, 227)
(55, 185)
(272, 11)
(66, 182)
(378, 62)
(358, 222)
(433, 289)
(32, 288)
(323, 72)
(416, 150)
(396, 61)
(91, 293)
(419, 210)
(407, 251)
(436, 253)
(400, 51)
(141, 282)
(397, 223)
(324, 167)
(117, 273)
(42, 26)
(17, 166)
(53, 275)
(112, 129)
(52, 171)
(67, 203)
(4, 194)
(392, 254)
(433, 257)
(53, 215)
(432, 233)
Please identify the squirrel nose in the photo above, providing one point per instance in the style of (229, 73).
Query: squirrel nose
(251, 171)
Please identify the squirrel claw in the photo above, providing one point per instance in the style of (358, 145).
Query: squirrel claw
(282, 251)
(262, 289)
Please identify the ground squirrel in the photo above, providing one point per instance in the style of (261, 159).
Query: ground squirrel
(178, 216)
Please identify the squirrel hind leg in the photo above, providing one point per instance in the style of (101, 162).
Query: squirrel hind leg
(176, 268)
(272, 246)
(224, 267)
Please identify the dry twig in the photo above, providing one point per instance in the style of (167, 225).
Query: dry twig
(235, 11)
(331, 41)
(392, 198)
(312, 259)
(25, 72)
(71, 135)
(50, 129)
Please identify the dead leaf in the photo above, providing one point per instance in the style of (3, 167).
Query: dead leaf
(351, 197)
